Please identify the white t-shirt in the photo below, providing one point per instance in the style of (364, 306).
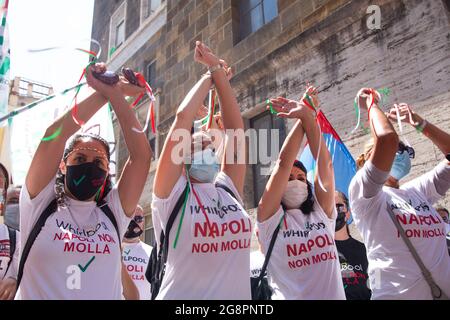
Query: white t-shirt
(135, 256)
(393, 272)
(208, 263)
(304, 264)
(5, 254)
(256, 263)
(70, 261)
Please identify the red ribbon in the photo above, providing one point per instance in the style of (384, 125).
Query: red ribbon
(80, 123)
(212, 109)
(372, 100)
(143, 83)
(202, 207)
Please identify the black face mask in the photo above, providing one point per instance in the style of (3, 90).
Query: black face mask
(84, 180)
(340, 220)
(131, 233)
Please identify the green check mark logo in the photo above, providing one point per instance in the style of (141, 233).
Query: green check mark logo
(79, 181)
(83, 269)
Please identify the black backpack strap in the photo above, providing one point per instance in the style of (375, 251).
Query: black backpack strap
(51, 208)
(12, 247)
(224, 187)
(155, 272)
(12, 242)
(269, 252)
(107, 211)
(172, 217)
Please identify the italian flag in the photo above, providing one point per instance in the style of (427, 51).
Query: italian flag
(4, 62)
(5, 158)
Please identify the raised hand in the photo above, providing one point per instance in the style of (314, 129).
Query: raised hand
(128, 89)
(105, 89)
(287, 108)
(201, 112)
(312, 92)
(364, 96)
(405, 112)
(123, 87)
(204, 55)
(227, 69)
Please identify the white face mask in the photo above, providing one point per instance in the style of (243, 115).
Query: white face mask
(295, 194)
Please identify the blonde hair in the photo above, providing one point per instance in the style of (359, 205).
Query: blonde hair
(363, 157)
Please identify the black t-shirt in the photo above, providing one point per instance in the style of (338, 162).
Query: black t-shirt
(354, 264)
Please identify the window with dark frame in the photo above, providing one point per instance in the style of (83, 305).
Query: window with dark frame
(447, 4)
(265, 121)
(120, 34)
(151, 74)
(150, 6)
(254, 14)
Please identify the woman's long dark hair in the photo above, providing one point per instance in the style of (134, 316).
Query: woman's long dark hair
(5, 187)
(307, 206)
(60, 177)
(346, 202)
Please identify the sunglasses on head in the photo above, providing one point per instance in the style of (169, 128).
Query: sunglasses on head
(138, 219)
(402, 148)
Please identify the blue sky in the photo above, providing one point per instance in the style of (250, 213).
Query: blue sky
(46, 23)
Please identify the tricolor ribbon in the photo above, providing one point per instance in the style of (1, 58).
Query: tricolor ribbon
(357, 106)
(400, 126)
(67, 47)
(151, 109)
(200, 204)
(270, 105)
(100, 191)
(310, 104)
(16, 112)
(212, 108)
(94, 57)
(80, 122)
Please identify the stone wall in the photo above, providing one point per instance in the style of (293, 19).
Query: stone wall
(325, 42)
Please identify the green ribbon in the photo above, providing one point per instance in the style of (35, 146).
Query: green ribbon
(272, 110)
(384, 92)
(54, 135)
(34, 104)
(182, 217)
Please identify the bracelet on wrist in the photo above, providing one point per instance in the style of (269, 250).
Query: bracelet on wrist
(213, 69)
(420, 127)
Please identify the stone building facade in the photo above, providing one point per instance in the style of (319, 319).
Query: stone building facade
(275, 47)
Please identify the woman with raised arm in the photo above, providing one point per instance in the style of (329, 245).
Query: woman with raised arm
(377, 200)
(70, 208)
(209, 243)
(304, 263)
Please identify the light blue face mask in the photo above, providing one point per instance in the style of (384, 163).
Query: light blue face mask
(401, 166)
(204, 167)
(12, 216)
